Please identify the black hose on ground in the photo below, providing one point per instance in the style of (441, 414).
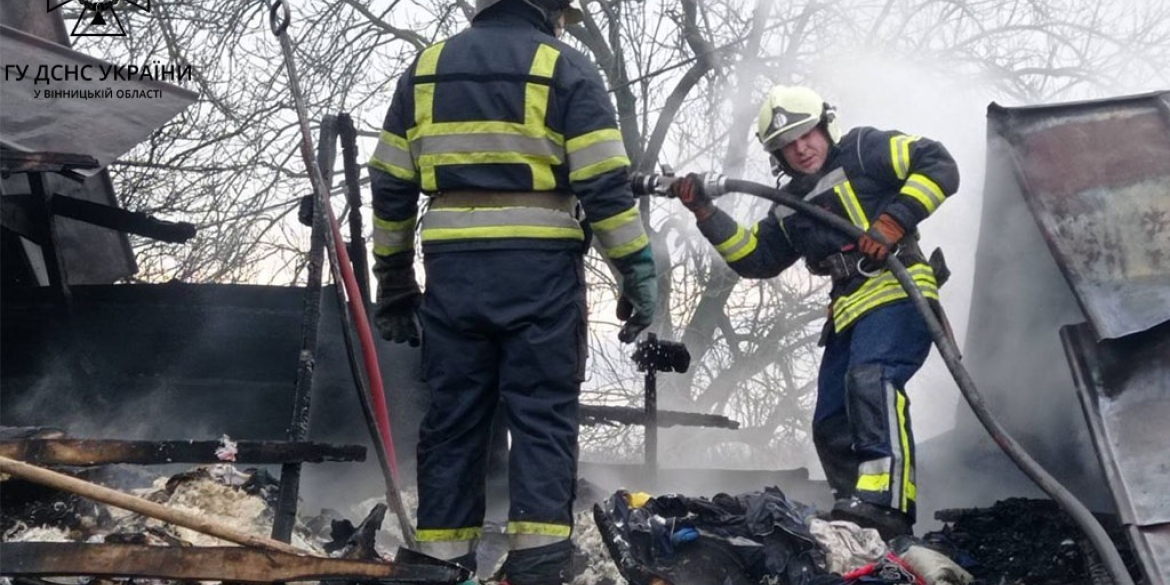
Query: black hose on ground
(950, 354)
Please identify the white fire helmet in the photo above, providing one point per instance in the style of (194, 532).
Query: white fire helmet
(788, 112)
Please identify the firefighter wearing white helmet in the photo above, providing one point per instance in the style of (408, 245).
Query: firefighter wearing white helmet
(884, 182)
(512, 134)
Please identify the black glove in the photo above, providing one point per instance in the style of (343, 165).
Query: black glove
(398, 299)
(689, 190)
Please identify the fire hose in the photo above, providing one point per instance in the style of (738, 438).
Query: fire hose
(348, 293)
(716, 185)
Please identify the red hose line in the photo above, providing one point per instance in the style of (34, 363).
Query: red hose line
(357, 310)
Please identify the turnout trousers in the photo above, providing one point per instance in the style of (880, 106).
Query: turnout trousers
(500, 326)
(861, 426)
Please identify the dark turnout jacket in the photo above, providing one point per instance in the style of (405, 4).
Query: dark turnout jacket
(869, 172)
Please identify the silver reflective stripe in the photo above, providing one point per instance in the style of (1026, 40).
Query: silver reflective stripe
(596, 153)
(391, 154)
(897, 474)
(456, 218)
(733, 248)
(393, 239)
(874, 467)
(447, 549)
(486, 142)
(834, 178)
(623, 234)
(523, 541)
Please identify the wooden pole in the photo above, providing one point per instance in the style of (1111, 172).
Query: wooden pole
(142, 506)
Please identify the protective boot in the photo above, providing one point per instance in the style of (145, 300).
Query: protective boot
(466, 562)
(889, 523)
(542, 565)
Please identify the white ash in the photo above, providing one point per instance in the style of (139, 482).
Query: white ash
(599, 568)
(21, 532)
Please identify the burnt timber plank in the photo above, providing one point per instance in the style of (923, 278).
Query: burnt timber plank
(102, 452)
(226, 563)
(592, 414)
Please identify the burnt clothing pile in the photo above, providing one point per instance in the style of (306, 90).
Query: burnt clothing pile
(755, 538)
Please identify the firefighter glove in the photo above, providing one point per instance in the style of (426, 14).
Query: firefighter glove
(689, 190)
(885, 228)
(639, 293)
(398, 299)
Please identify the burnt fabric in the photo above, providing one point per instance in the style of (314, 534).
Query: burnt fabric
(755, 537)
(506, 325)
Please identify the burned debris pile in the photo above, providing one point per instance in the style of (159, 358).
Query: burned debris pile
(762, 537)
(1025, 542)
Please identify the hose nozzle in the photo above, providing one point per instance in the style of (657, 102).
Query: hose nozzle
(658, 185)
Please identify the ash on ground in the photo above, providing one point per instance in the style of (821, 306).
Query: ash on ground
(1021, 541)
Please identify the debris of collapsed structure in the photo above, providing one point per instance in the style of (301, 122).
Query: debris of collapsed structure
(244, 499)
(1026, 542)
(762, 537)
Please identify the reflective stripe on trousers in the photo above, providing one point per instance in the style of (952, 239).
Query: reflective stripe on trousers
(862, 374)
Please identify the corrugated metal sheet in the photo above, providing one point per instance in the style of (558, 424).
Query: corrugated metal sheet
(1124, 386)
(1096, 176)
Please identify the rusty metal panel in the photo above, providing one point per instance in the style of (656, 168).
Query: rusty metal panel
(1123, 387)
(1096, 176)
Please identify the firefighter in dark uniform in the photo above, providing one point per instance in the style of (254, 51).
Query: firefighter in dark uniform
(884, 182)
(512, 136)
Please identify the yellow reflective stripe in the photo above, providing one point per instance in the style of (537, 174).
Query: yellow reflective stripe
(392, 237)
(590, 171)
(878, 291)
(617, 220)
(595, 137)
(925, 190)
(852, 206)
(878, 482)
(621, 234)
(904, 439)
(738, 245)
(392, 155)
(424, 93)
(535, 110)
(392, 170)
(628, 248)
(509, 231)
(542, 528)
(900, 154)
(446, 534)
(536, 94)
(484, 127)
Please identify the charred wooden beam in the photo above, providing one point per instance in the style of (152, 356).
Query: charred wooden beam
(12, 161)
(228, 563)
(103, 452)
(596, 415)
(131, 222)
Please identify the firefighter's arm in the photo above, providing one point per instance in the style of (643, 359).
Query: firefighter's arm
(922, 169)
(395, 186)
(599, 176)
(762, 251)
